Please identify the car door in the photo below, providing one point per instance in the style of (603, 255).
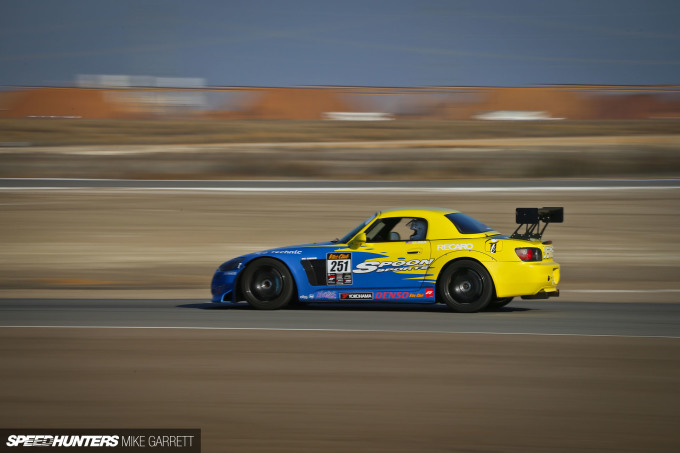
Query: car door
(393, 258)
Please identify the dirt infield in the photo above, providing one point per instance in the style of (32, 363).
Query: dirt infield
(41, 148)
(527, 158)
(65, 132)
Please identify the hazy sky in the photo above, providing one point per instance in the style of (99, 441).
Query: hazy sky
(348, 42)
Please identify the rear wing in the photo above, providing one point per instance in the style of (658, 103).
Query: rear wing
(531, 219)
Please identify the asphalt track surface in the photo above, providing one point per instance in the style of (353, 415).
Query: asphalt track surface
(341, 391)
(520, 317)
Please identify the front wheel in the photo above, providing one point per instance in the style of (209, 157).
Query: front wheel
(267, 284)
(465, 286)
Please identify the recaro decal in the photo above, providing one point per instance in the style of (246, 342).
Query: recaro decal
(453, 247)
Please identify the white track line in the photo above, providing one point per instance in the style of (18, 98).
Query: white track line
(341, 189)
(277, 329)
(322, 186)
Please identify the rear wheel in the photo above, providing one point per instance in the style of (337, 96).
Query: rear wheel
(267, 284)
(465, 286)
(495, 304)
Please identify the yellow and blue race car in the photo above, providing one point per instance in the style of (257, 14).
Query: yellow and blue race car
(410, 255)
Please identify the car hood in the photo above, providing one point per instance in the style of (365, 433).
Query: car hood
(296, 249)
(302, 250)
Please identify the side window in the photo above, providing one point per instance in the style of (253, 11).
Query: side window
(395, 229)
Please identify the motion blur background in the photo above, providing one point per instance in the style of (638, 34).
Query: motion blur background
(485, 93)
(217, 73)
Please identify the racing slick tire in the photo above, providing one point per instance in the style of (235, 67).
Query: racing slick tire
(496, 304)
(267, 284)
(465, 286)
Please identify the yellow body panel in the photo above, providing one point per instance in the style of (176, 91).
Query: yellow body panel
(511, 276)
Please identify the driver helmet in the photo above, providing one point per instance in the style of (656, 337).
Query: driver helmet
(419, 227)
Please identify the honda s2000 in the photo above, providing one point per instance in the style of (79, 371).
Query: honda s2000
(415, 255)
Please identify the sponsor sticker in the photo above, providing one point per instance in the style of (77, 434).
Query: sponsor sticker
(356, 296)
(392, 295)
(398, 295)
(325, 295)
(454, 247)
(384, 266)
(548, 252)
(339, 268)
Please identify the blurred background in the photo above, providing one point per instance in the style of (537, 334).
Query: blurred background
(392, 89)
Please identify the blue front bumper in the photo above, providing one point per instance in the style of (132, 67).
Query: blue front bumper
(222, 286)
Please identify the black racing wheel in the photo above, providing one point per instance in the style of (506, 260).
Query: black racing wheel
(496, 304)
(267, 284)
(465, 286)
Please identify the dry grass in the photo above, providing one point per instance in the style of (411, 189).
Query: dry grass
(55, 132)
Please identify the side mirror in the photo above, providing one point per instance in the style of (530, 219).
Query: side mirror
(358, 241)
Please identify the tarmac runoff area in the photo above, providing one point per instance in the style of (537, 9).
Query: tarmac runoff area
(583, 373)
(539, 318)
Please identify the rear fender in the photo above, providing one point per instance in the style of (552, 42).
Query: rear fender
(468, 257)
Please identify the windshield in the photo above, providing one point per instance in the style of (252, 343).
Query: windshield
(353, 233)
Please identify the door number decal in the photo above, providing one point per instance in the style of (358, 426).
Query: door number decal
(339, 269)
